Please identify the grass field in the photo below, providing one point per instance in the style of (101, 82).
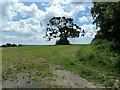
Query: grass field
(89, 61)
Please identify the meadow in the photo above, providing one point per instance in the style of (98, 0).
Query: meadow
(94, 62)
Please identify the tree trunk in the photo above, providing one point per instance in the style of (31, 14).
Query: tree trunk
(62, 41)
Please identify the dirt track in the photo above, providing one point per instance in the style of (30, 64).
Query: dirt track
(69, 79)
(60, 78)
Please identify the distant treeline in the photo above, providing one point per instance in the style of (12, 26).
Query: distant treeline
(11, 45)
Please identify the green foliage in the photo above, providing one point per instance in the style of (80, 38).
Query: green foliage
(107, 16)
(63, 28)
(86, 72)
(102, 62)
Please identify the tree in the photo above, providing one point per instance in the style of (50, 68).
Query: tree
(13, 45)
(4, 46)
(8, 45)
(107, 16)
(63, 28)
(20, 45)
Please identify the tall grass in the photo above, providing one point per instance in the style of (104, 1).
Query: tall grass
(101, 61)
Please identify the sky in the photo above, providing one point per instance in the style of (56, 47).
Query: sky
(25, 22)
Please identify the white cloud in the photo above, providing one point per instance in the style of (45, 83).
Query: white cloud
(33, 40)
(84, 19)
(56, 8)
(80, 40)
(90, 30)
(43, 4)
(6, 10)
(27, 27)
(31, 10)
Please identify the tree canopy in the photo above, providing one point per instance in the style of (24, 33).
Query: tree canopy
(63, 28)
(107, 16)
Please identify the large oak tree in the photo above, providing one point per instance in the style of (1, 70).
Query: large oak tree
(63, 28)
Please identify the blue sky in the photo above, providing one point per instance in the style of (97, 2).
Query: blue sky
(25, 22)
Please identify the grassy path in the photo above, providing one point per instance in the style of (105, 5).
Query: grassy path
(35, 61)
